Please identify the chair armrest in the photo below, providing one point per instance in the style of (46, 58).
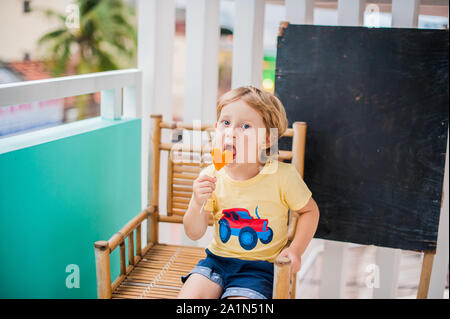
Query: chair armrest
(103, 249)
(282, 278)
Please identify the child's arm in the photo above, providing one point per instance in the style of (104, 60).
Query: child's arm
(307, 222)
(195, 220)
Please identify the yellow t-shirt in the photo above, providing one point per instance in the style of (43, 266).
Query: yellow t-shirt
(251, 216)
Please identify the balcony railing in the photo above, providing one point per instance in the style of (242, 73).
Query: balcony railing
(113, 85)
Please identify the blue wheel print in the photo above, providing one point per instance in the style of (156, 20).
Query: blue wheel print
(269, 237)
(224, 230)
(248, 238)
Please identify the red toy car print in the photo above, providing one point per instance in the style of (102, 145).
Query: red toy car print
(238, 222)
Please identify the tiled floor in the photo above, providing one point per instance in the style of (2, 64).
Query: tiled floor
(358, 259)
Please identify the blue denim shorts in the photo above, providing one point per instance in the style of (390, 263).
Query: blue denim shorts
(237, 277)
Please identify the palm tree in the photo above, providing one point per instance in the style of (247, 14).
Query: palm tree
(105, 40)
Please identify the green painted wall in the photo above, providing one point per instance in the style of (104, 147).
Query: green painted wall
(61, 189)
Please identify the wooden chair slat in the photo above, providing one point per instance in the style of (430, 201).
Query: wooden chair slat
(169, 186)
(192, 169)
(194, 164)
(182, 189)
(188, 182)
(122, 258)
(185, 176)
(181, 200)
(178, 212)
(179, 205)
(183, 195)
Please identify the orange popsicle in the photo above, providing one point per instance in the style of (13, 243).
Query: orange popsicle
(220, 159)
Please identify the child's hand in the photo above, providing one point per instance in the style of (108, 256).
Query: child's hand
(203, 187)
(295, 258)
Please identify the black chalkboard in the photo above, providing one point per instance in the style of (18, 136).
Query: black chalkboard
(376, 104)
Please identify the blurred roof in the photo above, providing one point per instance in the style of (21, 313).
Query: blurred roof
(29, 70)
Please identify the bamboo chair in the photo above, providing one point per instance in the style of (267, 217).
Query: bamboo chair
(154, 271)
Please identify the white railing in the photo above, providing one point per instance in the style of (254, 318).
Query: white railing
(112, 85)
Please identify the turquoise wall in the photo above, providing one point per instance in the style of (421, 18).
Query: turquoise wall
(62, 189)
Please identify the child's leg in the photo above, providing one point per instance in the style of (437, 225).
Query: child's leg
(199, 287)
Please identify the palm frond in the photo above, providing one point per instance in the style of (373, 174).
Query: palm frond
(106, 39)
(51, 36)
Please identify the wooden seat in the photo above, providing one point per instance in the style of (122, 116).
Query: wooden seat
(155, 270)
(158, 274)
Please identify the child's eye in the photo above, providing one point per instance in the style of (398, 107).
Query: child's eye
(226, 122)
(246, 126)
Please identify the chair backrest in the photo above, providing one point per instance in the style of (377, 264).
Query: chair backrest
(185, 161)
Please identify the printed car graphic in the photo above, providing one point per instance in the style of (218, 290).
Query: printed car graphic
(238, 222)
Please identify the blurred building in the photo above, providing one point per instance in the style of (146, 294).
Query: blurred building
(21, 28)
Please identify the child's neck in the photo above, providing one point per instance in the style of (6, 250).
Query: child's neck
(243, 171)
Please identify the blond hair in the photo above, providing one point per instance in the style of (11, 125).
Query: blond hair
(266, 104)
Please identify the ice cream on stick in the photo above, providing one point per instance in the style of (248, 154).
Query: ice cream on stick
(220, 159)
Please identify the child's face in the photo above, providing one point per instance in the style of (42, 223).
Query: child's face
(240, 129)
